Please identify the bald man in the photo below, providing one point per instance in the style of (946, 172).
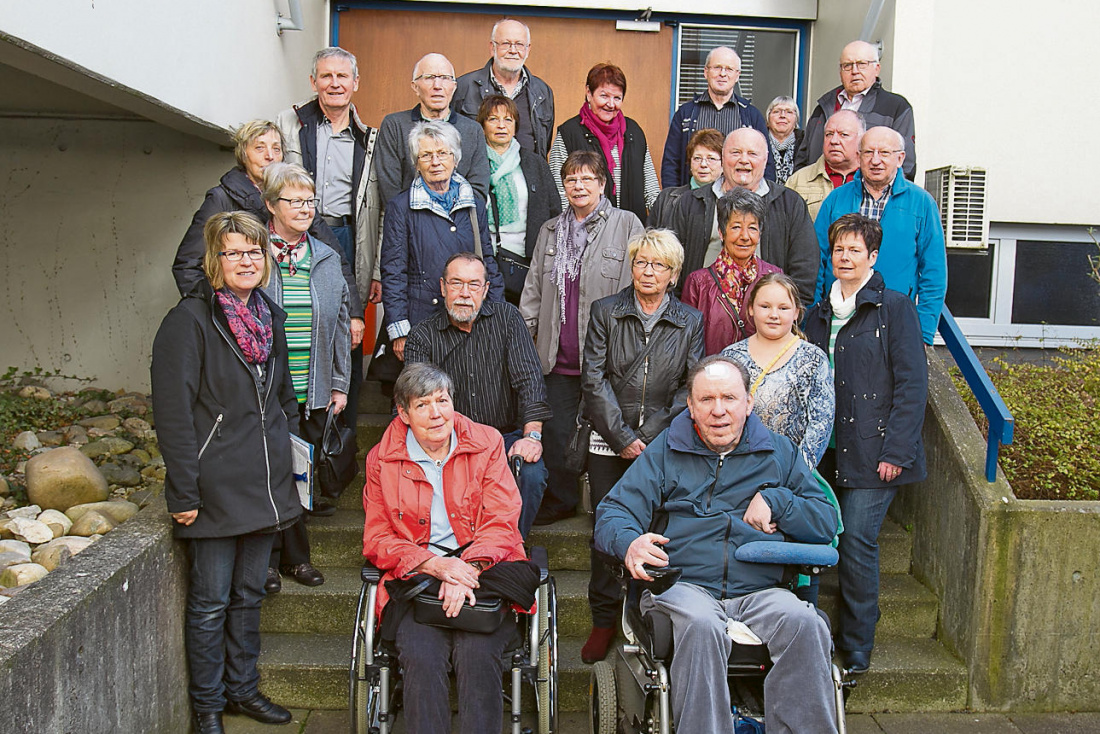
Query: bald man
(836, 167)
(860, 91)
(506, 73)
(433, 83)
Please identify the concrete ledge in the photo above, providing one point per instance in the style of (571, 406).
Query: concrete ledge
(97, 646)
(1017, 579)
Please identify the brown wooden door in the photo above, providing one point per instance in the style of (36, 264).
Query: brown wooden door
(388, 43)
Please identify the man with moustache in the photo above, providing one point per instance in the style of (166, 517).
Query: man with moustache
(837, 165)
(860, 91)
(506, 73)
(488, 352)
(433, 82)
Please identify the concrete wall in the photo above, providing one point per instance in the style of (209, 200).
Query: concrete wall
(1017, 580)
(97, 646)
(838, 23)
(220, 62)
(94, 211)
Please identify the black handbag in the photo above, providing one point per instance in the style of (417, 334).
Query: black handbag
(485, 617)
(514, 271)
(576, 451)
(335, 466)
(384, 365)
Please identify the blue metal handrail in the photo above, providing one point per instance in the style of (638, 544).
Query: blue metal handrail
(1000, 420)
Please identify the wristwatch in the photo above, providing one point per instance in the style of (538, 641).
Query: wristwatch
(534, 436)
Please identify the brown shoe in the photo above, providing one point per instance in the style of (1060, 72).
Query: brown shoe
(304, 573)
(596, 647)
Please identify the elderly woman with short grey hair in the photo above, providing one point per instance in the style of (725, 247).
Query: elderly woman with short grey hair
(437, 217)
(784, 135)
(309, 287)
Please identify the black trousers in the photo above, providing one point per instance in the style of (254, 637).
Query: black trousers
(604, 592)
(291, 547)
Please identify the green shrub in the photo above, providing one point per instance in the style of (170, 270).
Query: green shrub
(1055, 452)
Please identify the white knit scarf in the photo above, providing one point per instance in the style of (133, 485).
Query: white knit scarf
(843, 308)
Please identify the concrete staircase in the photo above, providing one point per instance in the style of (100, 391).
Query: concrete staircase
(307, 631)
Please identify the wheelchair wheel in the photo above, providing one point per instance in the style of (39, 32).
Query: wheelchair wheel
(546, 694)
(603, 702)
(364, 692)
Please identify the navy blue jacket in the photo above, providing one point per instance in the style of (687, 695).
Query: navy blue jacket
(881, 376)
(675, 170)
(704, 497)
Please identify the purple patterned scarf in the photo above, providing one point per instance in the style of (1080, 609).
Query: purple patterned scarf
(251, 326)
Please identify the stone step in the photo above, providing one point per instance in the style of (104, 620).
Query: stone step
(908, 608)
(369, 431)
(371, 399)
(311, 671)
(908, 675)
(337, 540)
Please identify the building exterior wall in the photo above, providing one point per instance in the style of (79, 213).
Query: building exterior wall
(94, 211)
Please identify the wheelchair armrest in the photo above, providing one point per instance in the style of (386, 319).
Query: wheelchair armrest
(541, 558)
(371, 574)
(798, 554)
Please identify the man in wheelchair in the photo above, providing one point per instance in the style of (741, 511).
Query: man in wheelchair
(442, 508)
(716, 479)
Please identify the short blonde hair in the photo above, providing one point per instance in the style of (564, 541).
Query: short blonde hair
(225, 223)
(278, 176)
(664, 244)
(247, 133)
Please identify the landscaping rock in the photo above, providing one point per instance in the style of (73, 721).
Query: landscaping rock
(136, 426)
(95, 405)
(130, 460)
(63, 477)
(7, 558)
(92, 523)
(126, 476)
(142, 456)
(75, 434)
(5, 534)
(133, 402)
(141, 497)
(35, 391)
(50, 438)
(102, 422)
(26, 441)
(106, 445)
(50, 557)
(154, 472)
(5, 490)
(16, 546)
(58, 522)
(30, 512)
(32, 531)
(21, 574)
(120, 510)
(74, 543)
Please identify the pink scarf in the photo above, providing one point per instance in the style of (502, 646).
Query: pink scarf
(610, 135)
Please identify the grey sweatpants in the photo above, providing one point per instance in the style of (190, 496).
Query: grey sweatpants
(798, 692)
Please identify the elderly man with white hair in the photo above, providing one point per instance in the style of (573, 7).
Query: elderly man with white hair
(913, 257)
(718, 108)
(506, 73)
(860, 91)
(433, 82)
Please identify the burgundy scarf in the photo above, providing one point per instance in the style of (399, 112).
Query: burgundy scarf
(734, 279)
(610, 135)
(251, 327)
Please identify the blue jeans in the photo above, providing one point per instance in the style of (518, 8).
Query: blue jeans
(863, 511)
(532, 485)
(563, 392)
(222, 627)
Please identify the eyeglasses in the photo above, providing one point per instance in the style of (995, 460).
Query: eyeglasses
(300, 203)
(517, 45)
(658, 268)
(729, 70)
(706, 160)
(454, 284)
(432, 78)
(586, 181)
(883, 154)
(428, 157)
(861, 65)
(234, 256)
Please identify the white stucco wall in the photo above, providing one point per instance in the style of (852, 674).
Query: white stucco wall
(94, 212)
(220, 61)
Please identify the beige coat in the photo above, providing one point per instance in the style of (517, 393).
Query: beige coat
(605, 270)
(812, 184)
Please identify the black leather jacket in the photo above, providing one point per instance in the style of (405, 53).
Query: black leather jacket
(625, 378)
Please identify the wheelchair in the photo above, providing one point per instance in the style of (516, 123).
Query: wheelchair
(530, 662)
(630, 694)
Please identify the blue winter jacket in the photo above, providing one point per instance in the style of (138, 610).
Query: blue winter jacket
(675, 169)
(913, 257)
(705, 496)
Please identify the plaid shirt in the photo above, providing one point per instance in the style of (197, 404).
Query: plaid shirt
(873, 209)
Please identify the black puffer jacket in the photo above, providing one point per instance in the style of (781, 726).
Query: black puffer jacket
(224, 435)
(234, 193)
(881, 380)
(653, 387)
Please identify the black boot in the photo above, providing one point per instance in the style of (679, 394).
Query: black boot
(207, 722)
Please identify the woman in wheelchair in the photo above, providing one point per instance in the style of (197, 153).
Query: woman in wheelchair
(442, 509)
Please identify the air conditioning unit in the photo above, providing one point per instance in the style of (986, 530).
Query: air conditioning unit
(960, 195)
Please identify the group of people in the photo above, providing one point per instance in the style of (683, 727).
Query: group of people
(543, 296)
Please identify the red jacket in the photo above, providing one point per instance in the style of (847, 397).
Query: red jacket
(478, 487)
(719, 327)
